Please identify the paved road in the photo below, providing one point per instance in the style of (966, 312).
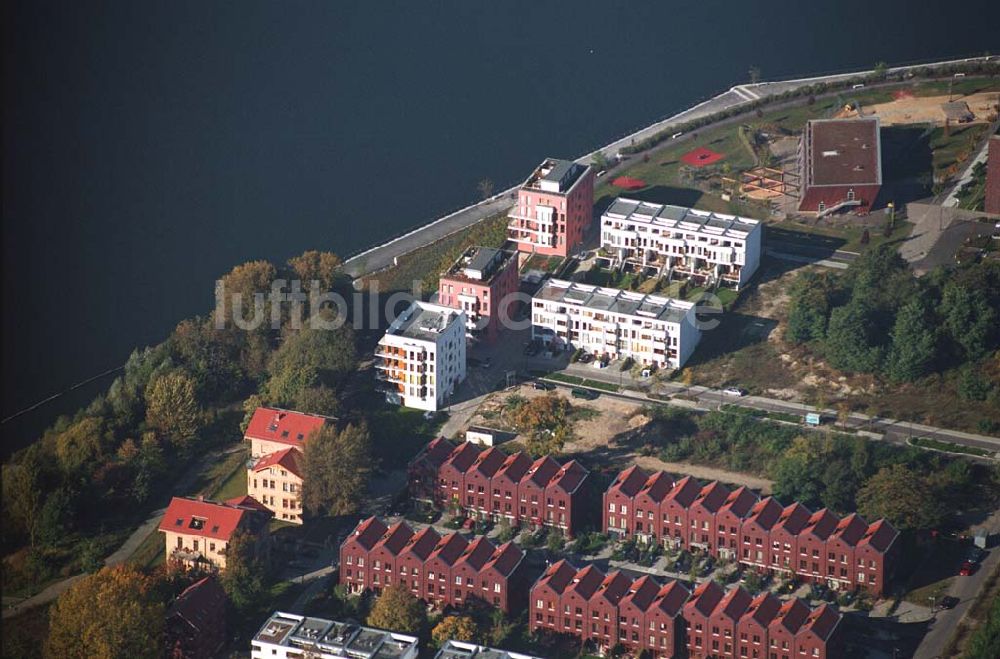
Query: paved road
(382, 256)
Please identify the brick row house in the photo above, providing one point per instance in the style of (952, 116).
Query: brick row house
(736, 624)
(818, 546)
(444, 571)
(665, 620)
(489, 484)
(196, 532)
(277, 441)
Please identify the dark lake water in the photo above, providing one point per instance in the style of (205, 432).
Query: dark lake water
(151, 146)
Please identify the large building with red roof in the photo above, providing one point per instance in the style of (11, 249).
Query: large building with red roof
(196, 621)
(492, 485)
(277, 440)
(841, 165)
(759, 533)
(441, 570)
(665, 620)
(197, 532)
(555, 205)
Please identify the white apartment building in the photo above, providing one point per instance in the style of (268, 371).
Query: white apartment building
(615, 323)
(421, 359)
(290, 636)
(461, 650)
(682, 243)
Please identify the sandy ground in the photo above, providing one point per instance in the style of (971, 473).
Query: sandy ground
(927, 109)
(705, 473)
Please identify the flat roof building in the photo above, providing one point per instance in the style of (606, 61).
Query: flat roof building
(555, 205)
(421, 358)
(478, 283)
(614, 323)
(289, 636)
(841, 165)
(679, 242)
(462, 650)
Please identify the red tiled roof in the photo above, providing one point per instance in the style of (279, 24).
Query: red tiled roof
(706, 597)
(671, 598)
(542, 470)
(368, 532)
(506, 558)
(515, 467)
(396, 538)
(489, 461)
(289, 458)
(478, 553)
(822, 524)
(630, 481)
(792, 615)
(558, 576)
(764, 608)
(277, 425)
(569, 476)
(658, 486)
(685, 491)
(734, 604)
(423, 542)
(587, 581)
(740, 501)
(880, 535)
(851, 529)
(205, 519)
(641, 593)
(247, 501)
(613, 587)
(463, 457)
(450, 548)
(436, 452)
(712, 496)
(794, 518)
(822, 621)
(766, 512)
(201, 605)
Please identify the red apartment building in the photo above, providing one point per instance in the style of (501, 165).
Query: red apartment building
(993, 176)
(554, 208)
(840, 164)
(477, 283)
(491, 485)
(644, 616)
(441, 570)
(759, 533)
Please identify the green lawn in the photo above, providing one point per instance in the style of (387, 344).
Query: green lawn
(927, 442)
(544, 263)
(952, 151)
(847, 238)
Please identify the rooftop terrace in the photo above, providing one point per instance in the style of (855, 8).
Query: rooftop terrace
(614, 300)
(330, 638)
(424, 321)
(479, 264)
(555, 175)
(686, 219)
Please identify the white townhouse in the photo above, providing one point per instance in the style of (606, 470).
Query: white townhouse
(421, 358)
(682, 243)
(615, 323)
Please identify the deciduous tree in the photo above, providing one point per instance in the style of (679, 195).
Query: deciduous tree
(108, 615)
(458, 628)
(245, 576)
(80, 445)
(337, 466)
(903, 496)
(172, 409)
(397, 609)
(309, 358)
(323, 267)
(913, 343)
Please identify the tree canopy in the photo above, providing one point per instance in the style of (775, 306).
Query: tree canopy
(397, 609)
(172, 409)
(309, 358)
(906, 498)
(337, 466)
(245, 576)
(111, 614)
(459, 628)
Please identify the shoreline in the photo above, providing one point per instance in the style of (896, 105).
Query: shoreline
(383, 255)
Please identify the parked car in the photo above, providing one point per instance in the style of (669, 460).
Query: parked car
(949, 602)
(585, 394)
(975, 554)
(734, 391)
(542, 386)
(586, 358)
(968, 567)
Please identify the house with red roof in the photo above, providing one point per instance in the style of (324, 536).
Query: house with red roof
(813, 557)
(752, 629)
(355, 569)
(422, 472)
(491, 485)
(545, 601)
(273, 429)
(665, 621)
(702, 512)
(756, 548)
(784, 537)
(729, 521)
(196, 621)
(785, 627)
(647, 507)
(724, 622)
(820, 635)
(674, 510)
(604, 613)
(617, 502)
(632, 612)
(441, 570)
(875, 556)
(197, 532)
(698, 614)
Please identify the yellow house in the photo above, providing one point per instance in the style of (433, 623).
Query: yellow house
(197, 532)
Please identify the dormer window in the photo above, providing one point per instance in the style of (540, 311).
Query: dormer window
(197, 523)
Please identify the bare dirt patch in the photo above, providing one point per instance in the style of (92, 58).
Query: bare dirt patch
(928, 110)
(704, 473)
